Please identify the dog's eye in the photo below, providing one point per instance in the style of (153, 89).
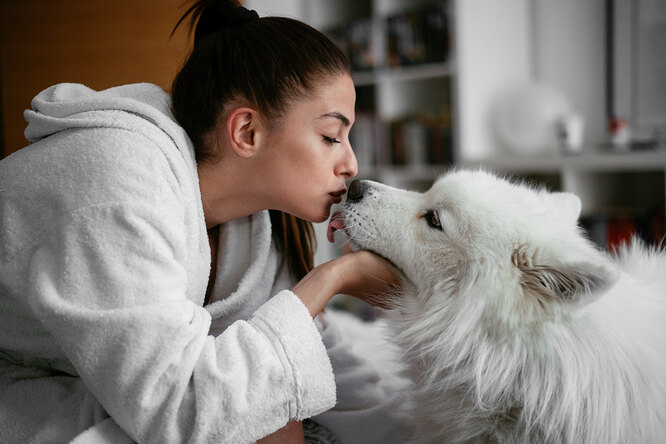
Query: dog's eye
(432, 218)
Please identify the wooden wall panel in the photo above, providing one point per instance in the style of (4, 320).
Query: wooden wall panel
(100, 43)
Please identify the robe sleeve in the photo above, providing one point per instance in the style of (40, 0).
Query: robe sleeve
(109, 285)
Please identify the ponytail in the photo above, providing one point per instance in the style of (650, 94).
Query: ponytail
(294, 238)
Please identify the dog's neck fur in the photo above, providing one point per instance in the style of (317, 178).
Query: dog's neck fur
(471, 366)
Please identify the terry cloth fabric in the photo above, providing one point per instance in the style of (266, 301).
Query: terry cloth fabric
(249, 271)
(104, 262)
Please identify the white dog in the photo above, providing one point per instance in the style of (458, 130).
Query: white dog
(515, 328)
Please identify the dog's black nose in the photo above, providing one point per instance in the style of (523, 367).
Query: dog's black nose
(356, 190)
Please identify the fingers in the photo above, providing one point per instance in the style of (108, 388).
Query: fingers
(362, 274)
(371, 278)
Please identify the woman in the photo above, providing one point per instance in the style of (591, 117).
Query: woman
(129, 212)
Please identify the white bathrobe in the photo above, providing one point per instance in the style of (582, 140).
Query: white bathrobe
(104, 262)
(368, 408)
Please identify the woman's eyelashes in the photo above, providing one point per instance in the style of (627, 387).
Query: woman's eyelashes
(331, 140)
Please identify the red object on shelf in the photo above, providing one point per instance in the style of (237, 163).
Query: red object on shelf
(620, 132)
(617, 124)
(618, 232)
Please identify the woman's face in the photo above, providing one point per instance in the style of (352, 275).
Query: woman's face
(309, 156)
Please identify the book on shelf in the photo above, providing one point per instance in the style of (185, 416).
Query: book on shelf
(359, 40)
(365, 138)
(414, 141)
(411, 37)
(417, 36)
(420, 140)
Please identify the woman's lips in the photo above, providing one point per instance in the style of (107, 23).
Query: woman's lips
(337, 223)
(336, 196)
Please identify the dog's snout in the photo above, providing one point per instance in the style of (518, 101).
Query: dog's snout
(356, 190)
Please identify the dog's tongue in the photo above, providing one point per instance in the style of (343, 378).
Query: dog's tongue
(337, 223)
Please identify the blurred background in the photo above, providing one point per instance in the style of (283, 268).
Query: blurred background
(569, 94)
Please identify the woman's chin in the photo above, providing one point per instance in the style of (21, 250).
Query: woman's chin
(315, 215)
(320, 218)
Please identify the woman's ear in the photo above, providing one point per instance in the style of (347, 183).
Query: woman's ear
(242, 126)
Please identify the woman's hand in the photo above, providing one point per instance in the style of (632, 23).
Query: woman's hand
(362, 274)
(368, 277)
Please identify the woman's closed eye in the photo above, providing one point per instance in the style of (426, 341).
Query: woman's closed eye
(331, 140)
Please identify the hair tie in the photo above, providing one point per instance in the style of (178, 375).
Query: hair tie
(240, 15)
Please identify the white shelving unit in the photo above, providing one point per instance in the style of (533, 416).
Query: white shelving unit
(606, 181)
(386, 93)
(496, 45)
(488, 52)
(427, 71)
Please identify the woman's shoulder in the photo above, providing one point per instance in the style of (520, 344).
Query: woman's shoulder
(82, 167)
(72, 171)
(113, 144)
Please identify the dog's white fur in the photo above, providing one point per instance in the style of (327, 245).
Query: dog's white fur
(515, 328)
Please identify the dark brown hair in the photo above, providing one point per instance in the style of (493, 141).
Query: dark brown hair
(271, 62)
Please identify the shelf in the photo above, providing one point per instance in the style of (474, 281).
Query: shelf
(592, 161)
(405, 73)
(648, 161)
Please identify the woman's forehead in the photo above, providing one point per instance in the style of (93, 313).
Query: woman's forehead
(333, 100)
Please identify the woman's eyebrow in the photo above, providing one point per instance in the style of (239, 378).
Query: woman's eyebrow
(336, 115)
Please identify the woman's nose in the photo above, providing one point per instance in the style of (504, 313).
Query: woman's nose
(349, 164)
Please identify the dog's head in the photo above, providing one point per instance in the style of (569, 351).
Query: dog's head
(513, 252)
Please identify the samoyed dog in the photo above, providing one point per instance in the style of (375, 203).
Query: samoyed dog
(513, 326)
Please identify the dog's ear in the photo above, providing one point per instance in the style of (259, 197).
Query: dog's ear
(575, 283)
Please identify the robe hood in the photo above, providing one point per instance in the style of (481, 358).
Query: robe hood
(72, 105)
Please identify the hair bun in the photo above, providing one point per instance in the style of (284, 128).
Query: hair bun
(211, 16)
(215, 19)
(240, 15)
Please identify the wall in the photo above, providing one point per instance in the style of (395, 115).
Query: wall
(558, 43)
(570, 53)
(492, 44)
(100, 43)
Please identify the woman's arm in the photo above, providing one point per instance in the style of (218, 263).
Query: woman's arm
(108, 286)
(362, 274)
